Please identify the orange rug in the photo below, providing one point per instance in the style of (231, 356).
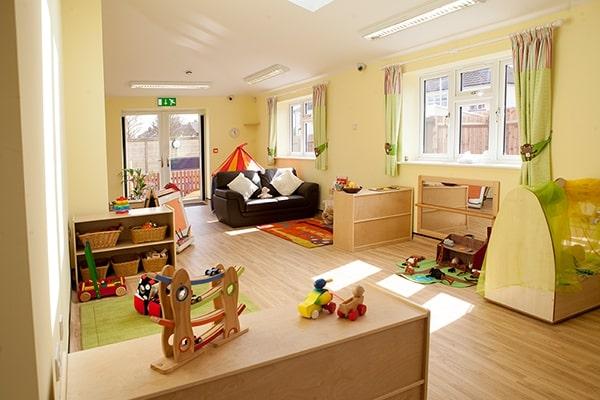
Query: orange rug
(307, 233)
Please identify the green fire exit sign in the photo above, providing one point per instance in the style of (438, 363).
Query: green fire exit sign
(166, 101)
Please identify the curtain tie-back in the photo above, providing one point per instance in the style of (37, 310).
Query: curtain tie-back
(530, 151)
(390, 149)
(271, 151)
(320, 149)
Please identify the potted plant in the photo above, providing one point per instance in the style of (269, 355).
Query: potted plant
(138, 181)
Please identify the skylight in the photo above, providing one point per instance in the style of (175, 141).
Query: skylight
(311, 5)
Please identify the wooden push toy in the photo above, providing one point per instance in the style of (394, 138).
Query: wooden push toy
(353, 307)
(179, 343)
(111, 286)
(316, 300)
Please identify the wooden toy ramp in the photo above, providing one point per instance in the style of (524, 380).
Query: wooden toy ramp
(179, 343)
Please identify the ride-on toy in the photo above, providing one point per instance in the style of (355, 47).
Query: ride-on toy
(111, 286)
(353, 307)
(316, 300)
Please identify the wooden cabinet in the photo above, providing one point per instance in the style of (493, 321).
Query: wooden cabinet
(383, 355)
(99, 222)
(369, 218)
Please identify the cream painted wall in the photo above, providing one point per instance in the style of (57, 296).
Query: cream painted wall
(220, 116)
(84, 106)
(34, 238)
(357, 98)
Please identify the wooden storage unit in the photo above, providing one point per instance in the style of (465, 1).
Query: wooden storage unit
(384, 354)
(94, 223)
(442, 207)
(369, 218)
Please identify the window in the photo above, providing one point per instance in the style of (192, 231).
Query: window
(468, 114)
(295, 129)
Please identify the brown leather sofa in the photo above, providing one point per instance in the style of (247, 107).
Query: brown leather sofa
(231, 209)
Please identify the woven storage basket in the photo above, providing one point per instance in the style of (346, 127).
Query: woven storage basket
(100, 240)
(101, 268)
(125, 264)
(154, 264)
(142, 235)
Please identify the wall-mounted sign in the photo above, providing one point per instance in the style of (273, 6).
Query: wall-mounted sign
(166, 101)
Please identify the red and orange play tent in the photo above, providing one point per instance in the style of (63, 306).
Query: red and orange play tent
(239, 160)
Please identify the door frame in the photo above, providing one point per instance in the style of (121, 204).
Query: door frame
(164, 146)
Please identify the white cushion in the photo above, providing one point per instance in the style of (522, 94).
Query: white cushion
(286, 183)
(243, 186)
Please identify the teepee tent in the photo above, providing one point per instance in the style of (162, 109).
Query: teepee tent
(239, 160)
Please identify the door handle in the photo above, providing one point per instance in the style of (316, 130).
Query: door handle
(162, 163)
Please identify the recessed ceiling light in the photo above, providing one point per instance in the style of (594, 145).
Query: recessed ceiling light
(267, 73)
(311, 5)
(169, 85)
(422, 16)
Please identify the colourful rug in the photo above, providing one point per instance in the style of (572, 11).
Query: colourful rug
(114, 319)
(308, 233)
(421, 275)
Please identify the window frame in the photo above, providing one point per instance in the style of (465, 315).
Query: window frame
(305, 118)
(495, 96)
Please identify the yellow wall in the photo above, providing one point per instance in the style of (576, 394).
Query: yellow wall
(220, 116)
(357, 98)
(84, 106)
(33, 213)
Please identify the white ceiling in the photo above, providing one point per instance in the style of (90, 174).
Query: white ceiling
(223, 41)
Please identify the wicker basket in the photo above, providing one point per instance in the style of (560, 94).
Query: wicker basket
(143, 235)
(101, 240)
(125, 264)
(101, 268)
(154, 264)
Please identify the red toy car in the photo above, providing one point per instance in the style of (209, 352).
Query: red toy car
(111, 286)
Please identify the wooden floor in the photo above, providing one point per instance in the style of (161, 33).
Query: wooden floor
(478, 350)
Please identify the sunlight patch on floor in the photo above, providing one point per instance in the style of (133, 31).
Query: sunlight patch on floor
(211, 221)
(399, 285)
(446, 309)
(241, 231)
(348, 274)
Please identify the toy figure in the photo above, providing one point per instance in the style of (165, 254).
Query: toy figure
(353, 307)
(319, 298)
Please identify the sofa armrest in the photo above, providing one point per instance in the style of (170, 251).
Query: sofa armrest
(307, 188)
(231, 195)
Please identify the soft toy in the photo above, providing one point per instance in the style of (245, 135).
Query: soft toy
(264, 193)
(145, 300)
(328, 215)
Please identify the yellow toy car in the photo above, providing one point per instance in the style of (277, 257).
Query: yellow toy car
(319, 298)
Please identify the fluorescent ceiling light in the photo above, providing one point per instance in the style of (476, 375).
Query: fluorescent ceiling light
(311, 5)
(420, 18)
(169, 85)
(267, 73)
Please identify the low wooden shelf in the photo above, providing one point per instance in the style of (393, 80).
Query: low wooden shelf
(382, 355)
(372, 218)
(162, 215)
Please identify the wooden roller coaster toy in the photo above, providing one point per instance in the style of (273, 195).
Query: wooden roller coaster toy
(179, 343)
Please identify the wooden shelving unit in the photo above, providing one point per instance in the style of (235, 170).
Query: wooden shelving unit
(93, 223)
(370, 218)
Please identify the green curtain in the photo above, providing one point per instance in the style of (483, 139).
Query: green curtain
(532, 60)
(393, 118)
(272, 146)
(319, 120)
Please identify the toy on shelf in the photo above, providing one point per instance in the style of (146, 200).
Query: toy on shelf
(121, 205)
(319, 298)
(179, 343)
(353, 307)
(111, 286)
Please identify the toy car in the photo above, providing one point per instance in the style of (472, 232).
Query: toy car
(212, 271)
(111, 286)
(319, 298)
(353, 307)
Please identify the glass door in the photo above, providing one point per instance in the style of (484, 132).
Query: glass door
(167, 147)
(185, 148)
(142, 148)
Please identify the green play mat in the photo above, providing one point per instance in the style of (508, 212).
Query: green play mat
(423, 268)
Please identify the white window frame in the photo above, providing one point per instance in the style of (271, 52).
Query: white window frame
(494, 96)
(286, 133)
